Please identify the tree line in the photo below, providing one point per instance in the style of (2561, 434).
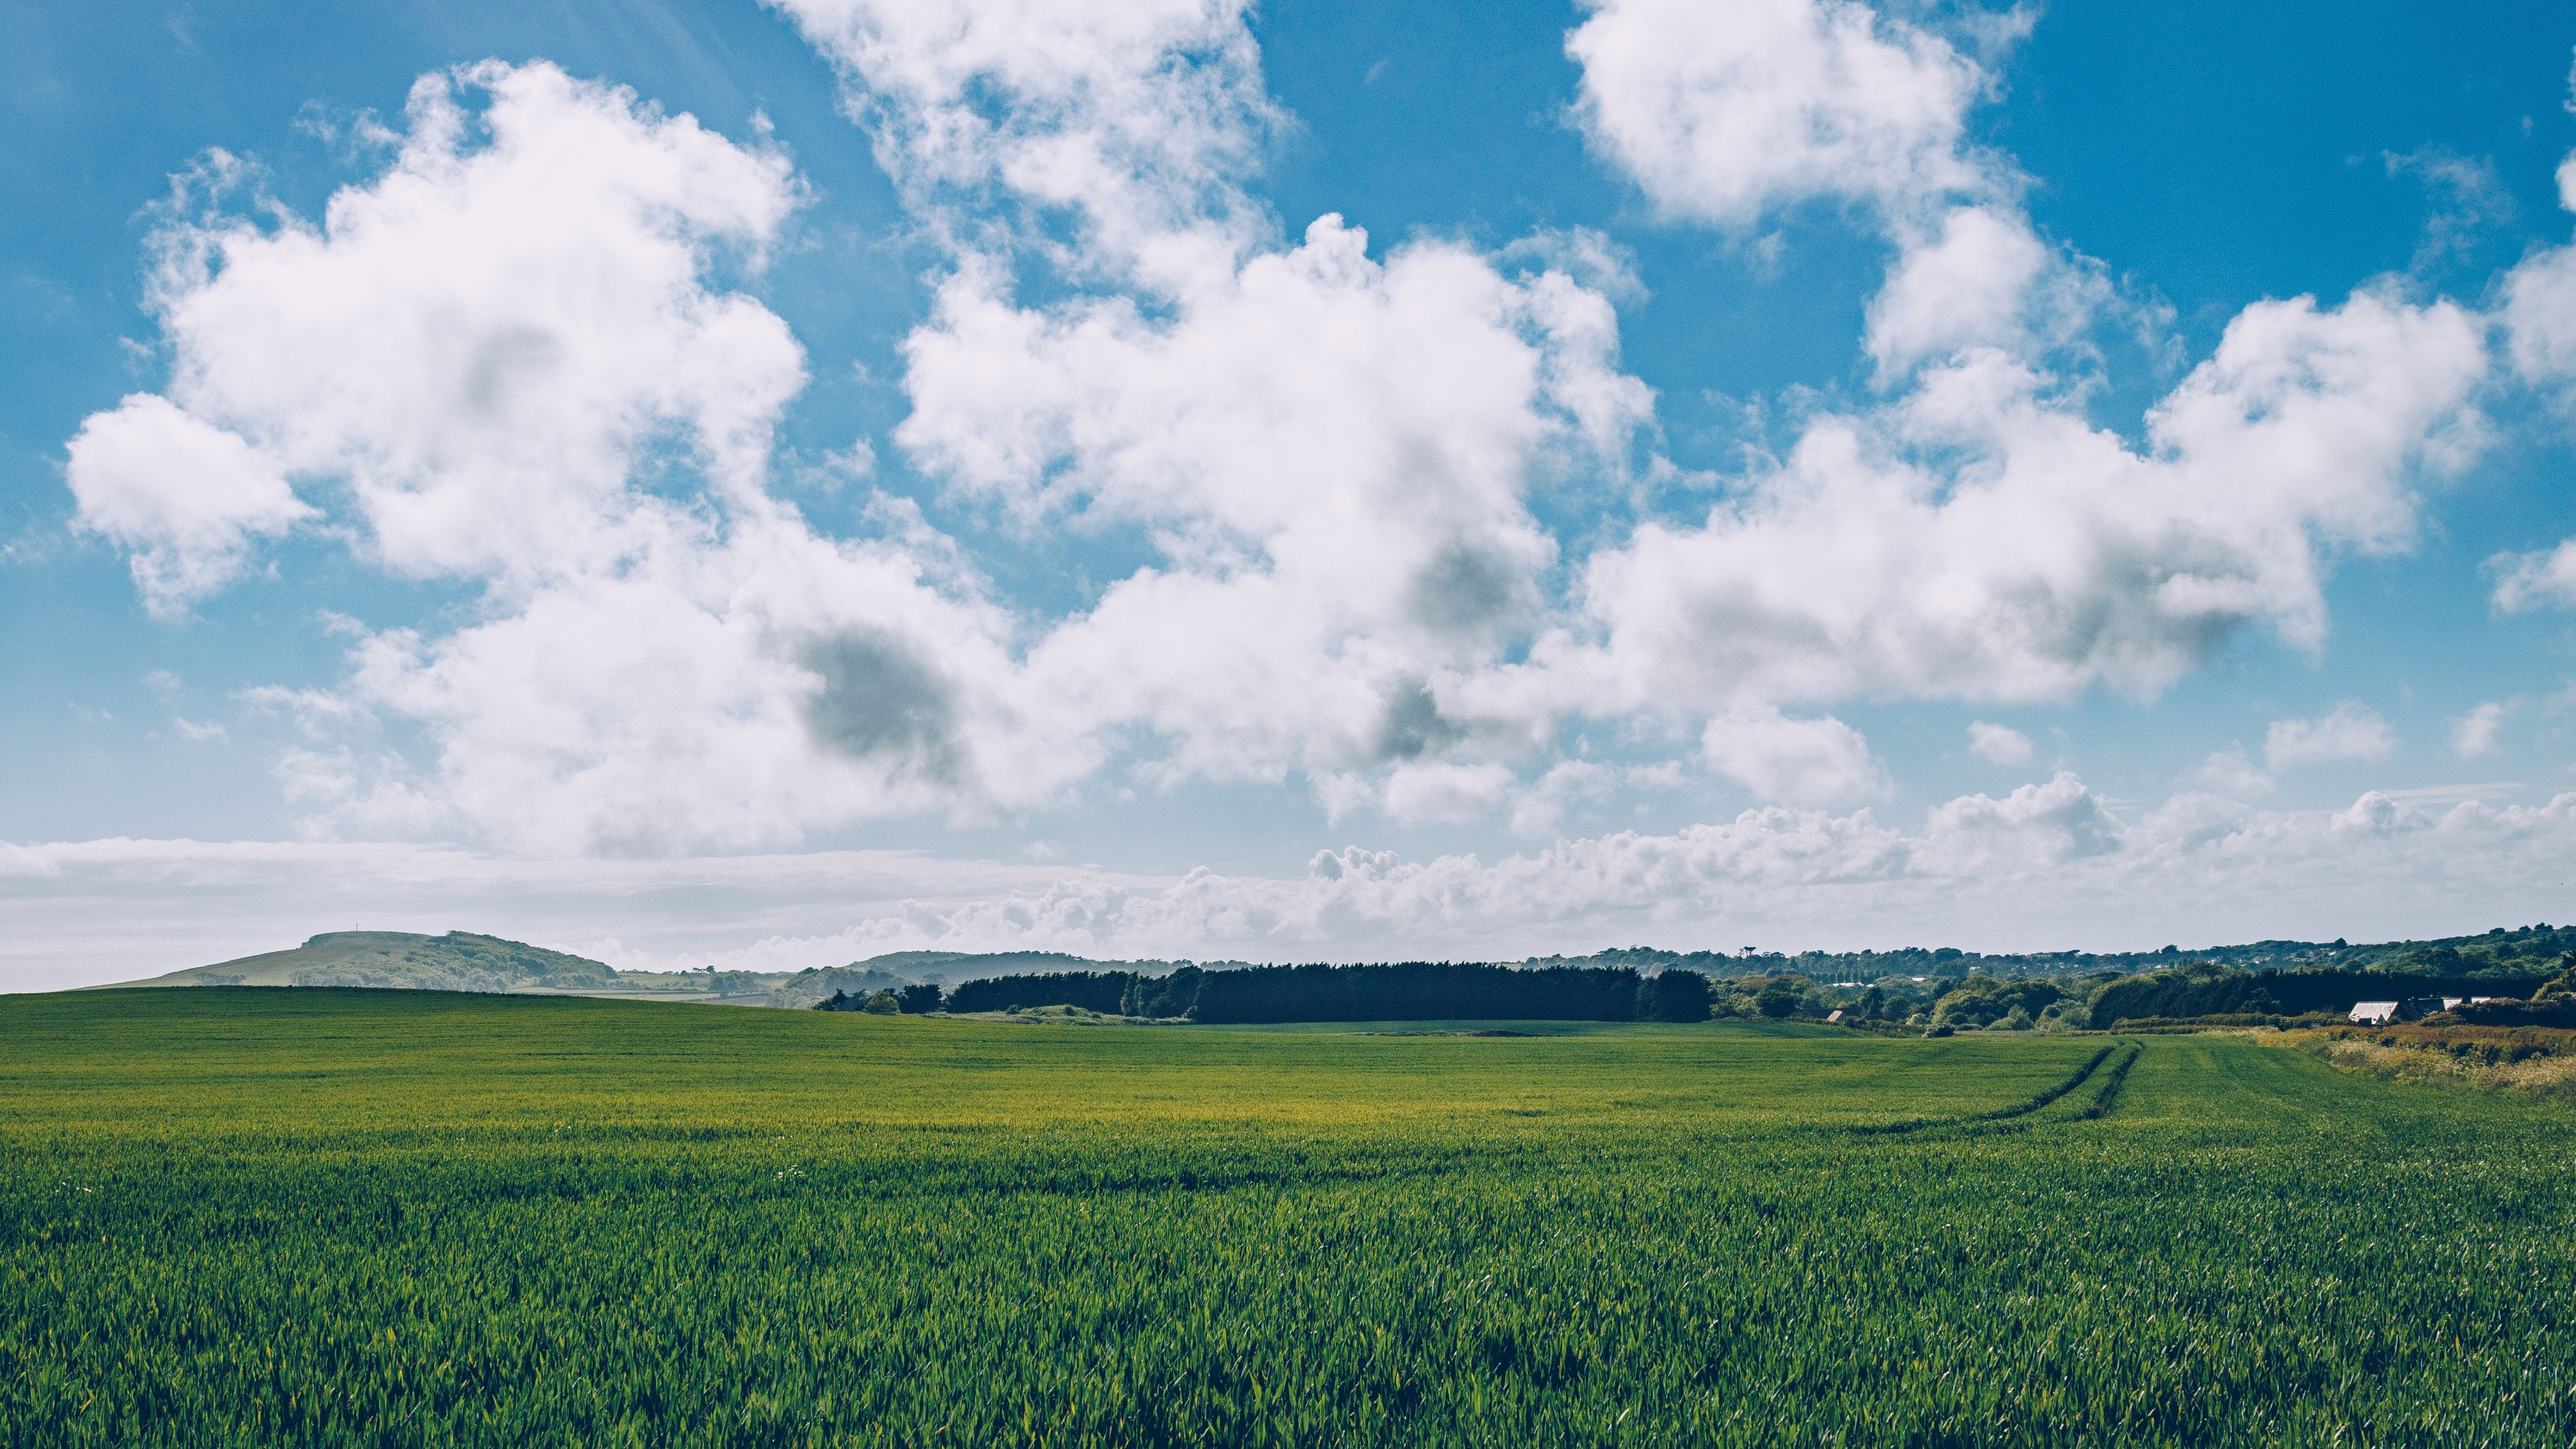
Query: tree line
(1466, 991)
(1402, 991)
(2212, 990)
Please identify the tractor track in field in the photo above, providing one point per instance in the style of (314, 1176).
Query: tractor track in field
(2107, 1086)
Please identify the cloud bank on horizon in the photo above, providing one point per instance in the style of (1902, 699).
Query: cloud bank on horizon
(1389, 527)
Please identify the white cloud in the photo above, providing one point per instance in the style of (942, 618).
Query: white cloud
(2528, 581)
(1540, 809)
(2539, 306)
(517, 359)
(1973, 540)
(731, 696)
(2474, 734)
(1974, 536)
(483, 342)
(1979, 278)
(1435, 790)
(1140, 121)
(2035, 826)
(2002, 744)
(2539, 314)
(1798, 761)
(2349, 731)
(1774, 102)
(487, 350)
(184, 497)
(2230, 773)
(1332, 452)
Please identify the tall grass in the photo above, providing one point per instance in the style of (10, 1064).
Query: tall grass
(362, 1218)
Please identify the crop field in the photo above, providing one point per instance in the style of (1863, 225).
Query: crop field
(244, 1216)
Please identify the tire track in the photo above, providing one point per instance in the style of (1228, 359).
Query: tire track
(2017, 1109)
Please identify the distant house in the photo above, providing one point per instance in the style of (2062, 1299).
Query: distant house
(1833, 1016)
(2413, 1008)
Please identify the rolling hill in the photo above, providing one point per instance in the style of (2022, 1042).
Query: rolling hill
(457, 961)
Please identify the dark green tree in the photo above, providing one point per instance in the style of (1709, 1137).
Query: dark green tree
(1673, 996)
(1777, 999)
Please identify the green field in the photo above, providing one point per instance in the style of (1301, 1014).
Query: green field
(264, 1216)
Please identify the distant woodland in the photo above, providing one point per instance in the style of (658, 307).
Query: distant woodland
(2528, 976)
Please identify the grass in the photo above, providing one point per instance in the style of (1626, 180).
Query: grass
(244, 1216)
(2520, 1060)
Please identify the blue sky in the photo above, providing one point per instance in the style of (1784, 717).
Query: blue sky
(1774, 471)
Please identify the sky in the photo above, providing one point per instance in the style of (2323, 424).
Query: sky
(766, 485)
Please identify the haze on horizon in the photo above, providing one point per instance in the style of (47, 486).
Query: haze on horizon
(767, 486)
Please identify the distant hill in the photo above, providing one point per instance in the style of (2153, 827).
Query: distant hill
(457, 961)
(463, 961)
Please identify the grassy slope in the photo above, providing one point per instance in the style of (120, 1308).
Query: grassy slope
(320, 1217)
(407, 961)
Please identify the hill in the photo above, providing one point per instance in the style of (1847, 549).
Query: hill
(457, 961)
(464, 961)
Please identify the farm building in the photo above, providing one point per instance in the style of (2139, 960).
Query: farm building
(2413, 1008)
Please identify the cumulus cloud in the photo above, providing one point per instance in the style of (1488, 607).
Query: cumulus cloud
(1777, 102)
(1974, 536)
(1437, 790)
(2349, 731)
(1333, 452)
(509, 354)
(522, 359)
(482, 343)
(2001, 744)
(2528, 581)
(183, 497)
(1971, 540)
(2474, 734)
(1980, 278)
(2539, 310)
(1137, 122)
(1799, 761)
(2539, 316)
(2231, 773)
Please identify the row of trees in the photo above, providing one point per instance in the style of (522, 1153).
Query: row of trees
(919, 998)
(1454, 991)
(2205, 989)
(1408, 991)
